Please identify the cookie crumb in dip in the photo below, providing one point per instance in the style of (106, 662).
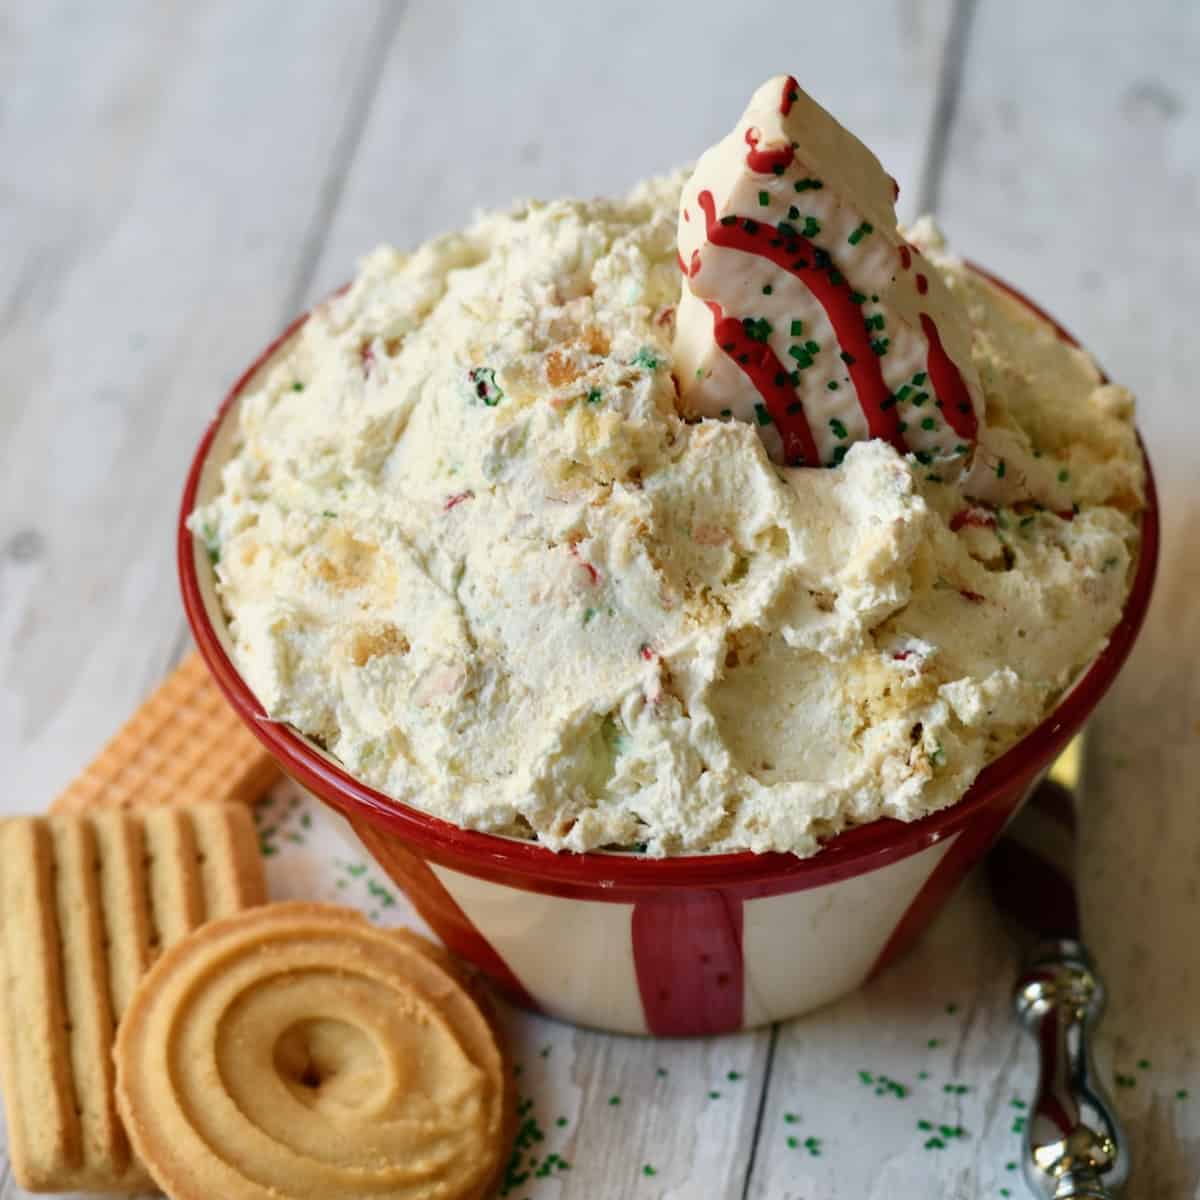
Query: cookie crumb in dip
(511, 531)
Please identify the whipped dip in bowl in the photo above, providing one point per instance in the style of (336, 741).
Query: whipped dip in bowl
(676, 594)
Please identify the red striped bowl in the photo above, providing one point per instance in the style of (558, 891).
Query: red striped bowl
(695, 944)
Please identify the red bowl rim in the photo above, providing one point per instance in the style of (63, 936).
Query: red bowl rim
(851, 852)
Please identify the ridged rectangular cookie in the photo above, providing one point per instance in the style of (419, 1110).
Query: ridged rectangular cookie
(86, 904)
(184, 744)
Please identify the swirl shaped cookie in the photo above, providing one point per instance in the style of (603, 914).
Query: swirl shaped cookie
(296, 1051)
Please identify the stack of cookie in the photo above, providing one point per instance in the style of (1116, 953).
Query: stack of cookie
(160, 1023)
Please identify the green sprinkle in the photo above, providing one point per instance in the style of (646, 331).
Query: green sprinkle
(297, 387)
(761, 415)
(839, 453)
(646, 357)
(1010, 1166)
(714, 1095)
(649, 1170)
(808, 185)
(928, 423)
(876, 321)
(790, 1118)
(764, 199)
(1143, 1064)
(793, 1143)
(758, 329)
(727, 412)
(839, 430)
(797, 328)
(588, 614)
(1064, 475)
(866, 1077)
(594, 394)
(1018, 1125)
(902, 426)
(802, 356)
(614, 1100)
(1001, 467)
(733, 1076)
(561, 1122)
(812, 347)
(793, 212)
(811, 227)
(1125, 1081)
(935, 1143)
(1182, 1094)
(662, 1072)
(767, 289)
(813, 1146)
(920, 398)
(860, 233)
(933, 1043)
(880, 346)
(922, 1074)
(925, 1126)
(952, 1009)
(1005, 1192)
(832, 385)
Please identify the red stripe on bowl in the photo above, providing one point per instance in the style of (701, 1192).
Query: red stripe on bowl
(687, 950)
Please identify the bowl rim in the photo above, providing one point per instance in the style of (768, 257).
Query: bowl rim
(851, 852)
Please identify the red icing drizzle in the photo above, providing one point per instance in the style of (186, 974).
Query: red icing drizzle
(948, 383)
(686, 215)
(905, 257)
(922, 284)
(763, 369)
(790, 90)
(766, 162)
(797, 255)
(682, 264)
(455, 500)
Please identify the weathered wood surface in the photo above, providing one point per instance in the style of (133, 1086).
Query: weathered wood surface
(177, 180)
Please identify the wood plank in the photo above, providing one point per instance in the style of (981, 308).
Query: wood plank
(165, 188)
(481, 103)
(1073, 169)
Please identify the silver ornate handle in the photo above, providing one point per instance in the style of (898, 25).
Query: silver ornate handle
(1074, 1146)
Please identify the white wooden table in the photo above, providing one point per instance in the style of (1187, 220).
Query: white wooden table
(177, 180)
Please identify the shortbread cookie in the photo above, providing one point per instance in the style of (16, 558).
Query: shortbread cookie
(184, 744)
(86, 904)
(295, 1051)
